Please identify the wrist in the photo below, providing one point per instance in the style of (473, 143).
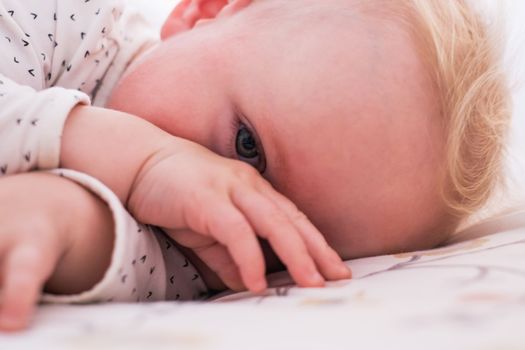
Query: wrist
(44, 203)
(88, 232)
(109, 145)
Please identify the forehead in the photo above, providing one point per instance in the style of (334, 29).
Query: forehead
(326, 86)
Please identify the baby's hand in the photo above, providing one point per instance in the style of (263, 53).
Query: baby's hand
(32, 239)
(38, 245)
(218, 207)
(213, 205)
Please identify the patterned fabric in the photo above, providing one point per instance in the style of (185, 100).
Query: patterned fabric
(54, 55)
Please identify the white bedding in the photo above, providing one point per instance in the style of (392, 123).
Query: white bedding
(468, 295)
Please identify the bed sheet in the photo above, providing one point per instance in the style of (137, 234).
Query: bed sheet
(467, 295)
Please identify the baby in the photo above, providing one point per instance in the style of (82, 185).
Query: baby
(382, 121)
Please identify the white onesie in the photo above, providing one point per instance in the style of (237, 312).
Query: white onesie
(55, 54)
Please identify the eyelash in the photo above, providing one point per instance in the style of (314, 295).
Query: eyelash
(235, 124)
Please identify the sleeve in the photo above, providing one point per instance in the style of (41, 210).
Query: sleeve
(32, 110)
(31, 123)
(145, 264)
(53, 56)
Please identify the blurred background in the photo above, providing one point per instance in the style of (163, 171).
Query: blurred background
(515, 64)
(156, 10)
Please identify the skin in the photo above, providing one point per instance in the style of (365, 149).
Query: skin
(344, 110)
(41, 243)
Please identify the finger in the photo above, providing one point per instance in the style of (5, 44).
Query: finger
(220, 219)
(219, 260)
(326, 258)
(190, 239)
(270, 223)
(214, 255)
(230, 228)
(25, 269)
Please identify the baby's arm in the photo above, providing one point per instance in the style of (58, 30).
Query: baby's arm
(82, 246)
(210, 204)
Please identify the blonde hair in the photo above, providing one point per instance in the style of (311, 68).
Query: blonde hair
(464, 57)
(465, 61)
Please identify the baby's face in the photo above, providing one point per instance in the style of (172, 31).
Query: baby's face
(339, 115)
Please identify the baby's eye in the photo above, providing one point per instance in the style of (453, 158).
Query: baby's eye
(248, 150)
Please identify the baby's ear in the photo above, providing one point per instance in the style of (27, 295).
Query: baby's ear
(188, 12)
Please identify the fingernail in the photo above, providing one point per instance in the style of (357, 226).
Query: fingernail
(259, 286)
(316, 279)
(334, 256)
(346, 271)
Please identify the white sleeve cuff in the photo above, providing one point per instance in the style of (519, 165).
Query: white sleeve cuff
(31, 125)
(137, 270)
(57, 107)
